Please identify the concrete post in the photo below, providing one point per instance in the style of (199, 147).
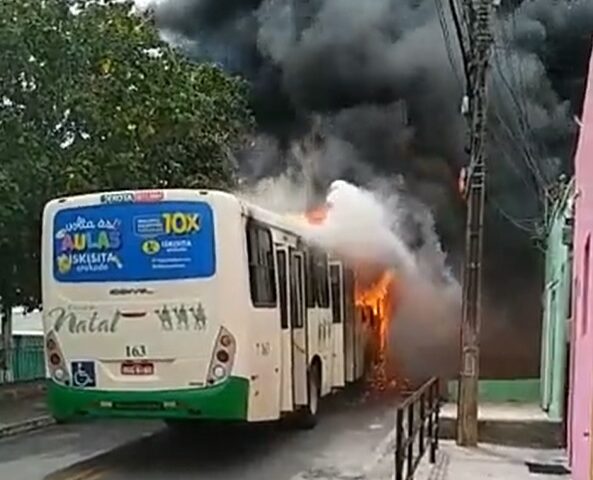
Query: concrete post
(6, 372)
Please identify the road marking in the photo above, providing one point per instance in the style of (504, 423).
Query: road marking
(89, 473)
(98, 466)
(96, 476)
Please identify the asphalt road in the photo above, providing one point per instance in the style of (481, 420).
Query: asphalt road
(352, 430)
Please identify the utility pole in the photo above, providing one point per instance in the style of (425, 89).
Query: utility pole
(476, 48)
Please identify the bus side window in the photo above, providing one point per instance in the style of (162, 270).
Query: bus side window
(322, 280)
(310, 279)
(260, 257)
(334, 273)
(325, 280)
(296, 292)
(282, 288)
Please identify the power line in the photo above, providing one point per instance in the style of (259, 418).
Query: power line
(538, 180)
(515, 221)
(461, 41)
(447, 40)
(523, 115)
(502, 147)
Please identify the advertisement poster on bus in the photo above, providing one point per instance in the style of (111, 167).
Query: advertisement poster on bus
(134, 242)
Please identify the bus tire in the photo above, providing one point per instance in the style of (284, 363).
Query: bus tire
(308, 416)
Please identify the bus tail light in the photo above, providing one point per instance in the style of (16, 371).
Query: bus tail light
(55, 360)
(223, 357)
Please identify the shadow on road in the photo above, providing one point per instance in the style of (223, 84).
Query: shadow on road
(214, 451)
(208, 447)
(232, 451)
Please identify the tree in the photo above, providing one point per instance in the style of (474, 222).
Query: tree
(92, 99)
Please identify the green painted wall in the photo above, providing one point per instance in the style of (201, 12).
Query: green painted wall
(502, 391)
(556, 309)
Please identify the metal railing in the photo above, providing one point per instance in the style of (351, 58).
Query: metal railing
(27, 359)
(417, 427)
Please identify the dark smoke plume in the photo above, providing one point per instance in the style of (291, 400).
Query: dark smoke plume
(373, 89)
(376, 75)
(387, 82)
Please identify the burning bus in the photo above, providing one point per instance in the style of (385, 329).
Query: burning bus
(186, 305)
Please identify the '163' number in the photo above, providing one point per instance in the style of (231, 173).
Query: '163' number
(135, 351)
(179, 223)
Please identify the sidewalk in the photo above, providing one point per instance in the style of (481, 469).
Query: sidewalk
(22, 412)
(493, 461)
(485, 461)
(510, 424)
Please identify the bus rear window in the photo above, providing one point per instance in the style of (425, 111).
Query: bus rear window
(134, 242)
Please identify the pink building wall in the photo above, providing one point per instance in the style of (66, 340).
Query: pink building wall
(581, 388)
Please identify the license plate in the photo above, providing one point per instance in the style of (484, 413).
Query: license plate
(137, 368)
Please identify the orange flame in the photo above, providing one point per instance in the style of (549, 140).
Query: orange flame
(380, 296)
(318, 214)
(462, 182)
(376, 290)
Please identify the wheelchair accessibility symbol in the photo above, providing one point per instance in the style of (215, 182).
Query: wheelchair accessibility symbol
(83, 374)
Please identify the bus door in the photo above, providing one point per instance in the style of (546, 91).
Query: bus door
(358, 340)
(350, 319)
(337, 304)
(298, 325)
(286, 391)
(364, 340)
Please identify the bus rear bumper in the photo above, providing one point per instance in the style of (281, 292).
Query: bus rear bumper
(225, 402)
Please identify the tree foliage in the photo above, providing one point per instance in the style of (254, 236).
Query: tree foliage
(91, 99)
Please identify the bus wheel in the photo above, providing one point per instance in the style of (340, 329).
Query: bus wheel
(308, 415)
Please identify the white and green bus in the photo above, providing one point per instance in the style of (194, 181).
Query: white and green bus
(188, 305)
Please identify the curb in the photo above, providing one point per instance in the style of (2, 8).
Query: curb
(26, 426)
(511, 432)
(22, 390)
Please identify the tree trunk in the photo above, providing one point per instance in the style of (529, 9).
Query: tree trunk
(6, 373)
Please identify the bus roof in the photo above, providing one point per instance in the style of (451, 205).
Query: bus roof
(287, 222)
(290, 223)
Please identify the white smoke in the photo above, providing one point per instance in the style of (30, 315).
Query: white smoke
(370, 227)
(358, 226)
(285, 194)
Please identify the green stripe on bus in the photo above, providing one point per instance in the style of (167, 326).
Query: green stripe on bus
(227, 401)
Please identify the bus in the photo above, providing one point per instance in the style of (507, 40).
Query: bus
(185, 305)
